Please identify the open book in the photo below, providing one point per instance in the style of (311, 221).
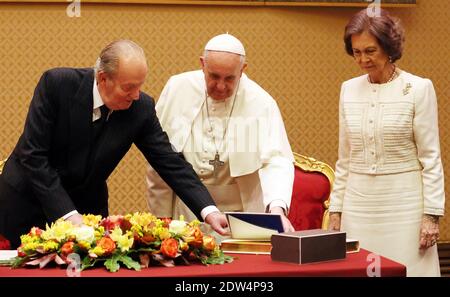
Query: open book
(251, 232)
(254, 225)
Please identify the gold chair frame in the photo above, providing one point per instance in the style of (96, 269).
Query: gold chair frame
(310, 164)
(2, 163)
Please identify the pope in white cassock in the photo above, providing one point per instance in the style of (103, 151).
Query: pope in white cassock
(232, 133)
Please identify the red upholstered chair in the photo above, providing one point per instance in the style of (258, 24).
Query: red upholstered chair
(4, 243)
(310, 197)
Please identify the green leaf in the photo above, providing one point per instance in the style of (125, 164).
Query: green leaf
(217, 258)
(20, 261)
(112, 263)
(145, 249)
(89, 262)
(129, 262)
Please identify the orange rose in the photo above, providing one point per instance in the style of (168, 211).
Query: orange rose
(209, 243)
(107, 244)
(67, 248)
(194, 237)
(169, 247)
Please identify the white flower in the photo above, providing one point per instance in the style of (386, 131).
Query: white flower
(84, 233)
(177, 227)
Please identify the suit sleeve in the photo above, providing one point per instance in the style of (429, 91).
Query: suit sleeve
(34, 150)
(154, 143)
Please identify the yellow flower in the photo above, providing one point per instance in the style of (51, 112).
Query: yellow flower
(141, 222)
(59, 231)
(91, 220)
(161, 232)
(29, 239)
(99, 232)
(124, 241)
(50, 246)
(98, 250)
(84, 245)
(30, 246)
(195, 223)
(184, 246)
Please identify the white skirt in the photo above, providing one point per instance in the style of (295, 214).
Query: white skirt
(384, 213)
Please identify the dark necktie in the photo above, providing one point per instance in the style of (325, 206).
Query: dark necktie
(100, 123)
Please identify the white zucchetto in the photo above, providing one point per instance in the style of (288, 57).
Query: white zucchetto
(225, 43)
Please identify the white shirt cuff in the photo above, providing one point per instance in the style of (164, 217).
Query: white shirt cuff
(207, 210)
(279, 203)
(66, 216)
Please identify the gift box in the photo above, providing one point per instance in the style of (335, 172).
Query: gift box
(308, 246)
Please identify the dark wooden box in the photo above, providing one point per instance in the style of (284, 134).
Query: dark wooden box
(308, 246)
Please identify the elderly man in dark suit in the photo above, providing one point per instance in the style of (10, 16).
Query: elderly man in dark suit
(80, 124)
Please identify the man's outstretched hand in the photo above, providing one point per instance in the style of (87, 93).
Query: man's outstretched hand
(218, 222)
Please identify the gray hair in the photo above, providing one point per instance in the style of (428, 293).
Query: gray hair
(242, 58)
(108, 61)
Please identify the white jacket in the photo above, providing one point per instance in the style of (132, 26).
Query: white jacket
(390, 128)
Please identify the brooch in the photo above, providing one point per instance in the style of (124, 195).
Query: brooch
(406, 89)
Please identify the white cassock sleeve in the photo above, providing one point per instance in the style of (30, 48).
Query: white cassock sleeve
(277, 172)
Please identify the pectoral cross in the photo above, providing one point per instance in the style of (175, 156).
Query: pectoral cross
(216, 163)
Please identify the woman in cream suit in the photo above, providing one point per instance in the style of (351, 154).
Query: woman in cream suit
(389, 187)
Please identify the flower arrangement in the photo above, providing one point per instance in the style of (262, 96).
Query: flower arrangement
(135, 241)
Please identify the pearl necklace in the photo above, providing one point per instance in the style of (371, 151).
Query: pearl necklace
(391, 78)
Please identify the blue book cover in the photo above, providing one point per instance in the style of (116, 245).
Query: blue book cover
(252, 225)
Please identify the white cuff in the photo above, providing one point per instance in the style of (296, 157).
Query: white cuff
(278, 203)
(207, 210)
(67, 215)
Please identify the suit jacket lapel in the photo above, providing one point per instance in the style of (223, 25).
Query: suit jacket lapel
(80, 114)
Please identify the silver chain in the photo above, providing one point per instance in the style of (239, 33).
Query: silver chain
(227, 120)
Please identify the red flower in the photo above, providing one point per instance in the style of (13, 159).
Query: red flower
(111, 222)
(166, 222)
(4, 243)
(35, 231)
(169, 247)
(20, 251)
(146, 239)
(67, 248)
